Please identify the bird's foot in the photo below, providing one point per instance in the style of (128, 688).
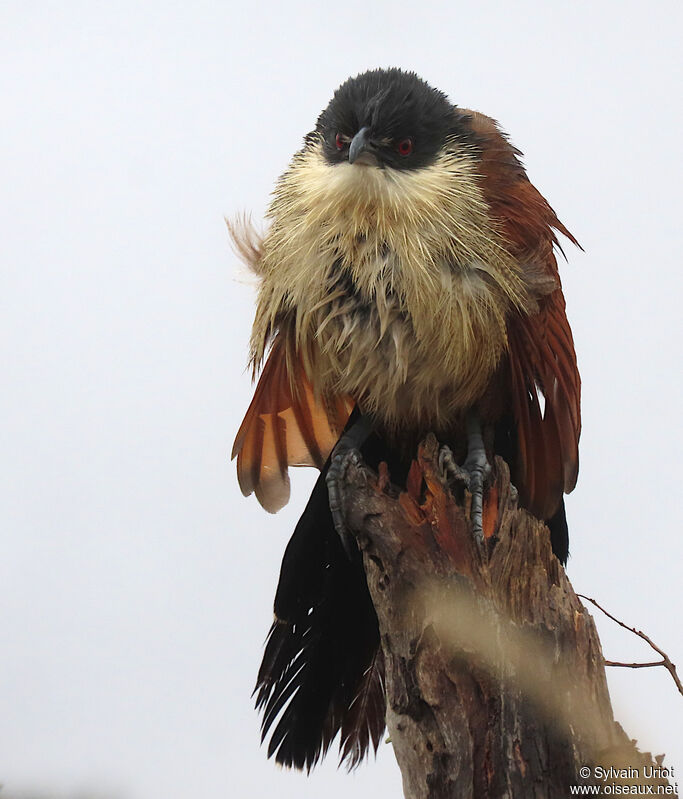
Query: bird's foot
(473, 474)
(341, 459)
(345, 453)
(450, 469)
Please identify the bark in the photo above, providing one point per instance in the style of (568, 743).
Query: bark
(495, 678)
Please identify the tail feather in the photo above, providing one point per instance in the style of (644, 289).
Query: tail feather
(322, 670)
(364, 722)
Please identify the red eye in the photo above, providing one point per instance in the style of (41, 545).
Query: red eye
(405, 147)
(339, 141)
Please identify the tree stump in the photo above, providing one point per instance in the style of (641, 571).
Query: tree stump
(495, 678)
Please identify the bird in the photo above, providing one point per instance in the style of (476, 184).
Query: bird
(407, 284)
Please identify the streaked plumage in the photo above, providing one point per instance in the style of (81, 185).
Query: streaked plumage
(417, 291)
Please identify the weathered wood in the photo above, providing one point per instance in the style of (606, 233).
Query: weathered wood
(495, 676)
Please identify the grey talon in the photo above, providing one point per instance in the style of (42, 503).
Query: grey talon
(343, 455)
(473, 473)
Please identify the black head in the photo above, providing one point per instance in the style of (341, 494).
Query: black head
(387, 117)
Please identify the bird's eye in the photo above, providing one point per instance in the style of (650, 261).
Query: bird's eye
(339, 141)
(405, 147)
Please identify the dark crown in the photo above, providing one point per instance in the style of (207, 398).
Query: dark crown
(395, 106)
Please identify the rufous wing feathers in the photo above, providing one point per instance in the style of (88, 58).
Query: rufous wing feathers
(285, 425)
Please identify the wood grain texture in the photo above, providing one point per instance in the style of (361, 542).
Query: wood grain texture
(495, 676)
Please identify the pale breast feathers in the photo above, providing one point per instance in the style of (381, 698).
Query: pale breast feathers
(369, 270)
(395, 289)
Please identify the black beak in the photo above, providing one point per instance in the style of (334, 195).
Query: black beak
(360, 144)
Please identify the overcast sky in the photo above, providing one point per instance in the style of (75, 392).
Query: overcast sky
(136, 583)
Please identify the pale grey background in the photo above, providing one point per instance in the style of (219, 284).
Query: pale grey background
(135, 581)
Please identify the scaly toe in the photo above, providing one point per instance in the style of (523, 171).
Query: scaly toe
(450, 470)
(336, 473)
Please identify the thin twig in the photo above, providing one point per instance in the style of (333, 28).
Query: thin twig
(665, 661)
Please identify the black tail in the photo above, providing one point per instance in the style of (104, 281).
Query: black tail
(322, 670)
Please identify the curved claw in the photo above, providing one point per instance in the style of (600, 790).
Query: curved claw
(342, 458)
(450, 469)
(343, 455)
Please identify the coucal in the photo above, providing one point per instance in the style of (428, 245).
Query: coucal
(408, 284)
